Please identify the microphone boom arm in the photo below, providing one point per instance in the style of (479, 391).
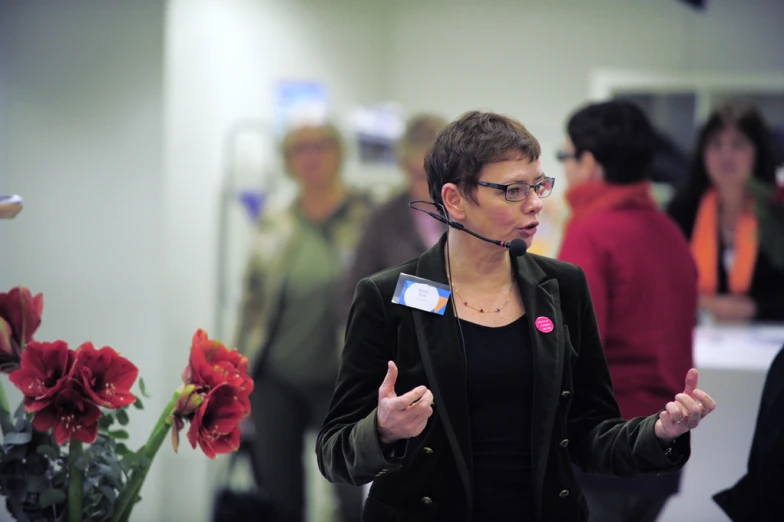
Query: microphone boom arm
(517, 246)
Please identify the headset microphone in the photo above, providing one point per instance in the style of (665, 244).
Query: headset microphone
(517, 246)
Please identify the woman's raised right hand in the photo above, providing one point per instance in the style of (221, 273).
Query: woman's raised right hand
(405, 416)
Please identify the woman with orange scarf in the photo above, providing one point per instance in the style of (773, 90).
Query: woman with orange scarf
(737, 279)
(642, 279)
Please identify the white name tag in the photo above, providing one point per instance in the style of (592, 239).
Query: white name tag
(421, 294)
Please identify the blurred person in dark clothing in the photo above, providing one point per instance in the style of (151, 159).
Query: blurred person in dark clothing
(643, 284)
(755, 497)
(288, 327)
(738, 279)
(395, 233)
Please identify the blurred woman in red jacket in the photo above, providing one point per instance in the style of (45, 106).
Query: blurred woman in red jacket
(642, 278)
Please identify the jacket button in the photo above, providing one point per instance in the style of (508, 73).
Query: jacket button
(564, 493)
(565, 393)
(427, 501)
(427, 450)
(564, 443)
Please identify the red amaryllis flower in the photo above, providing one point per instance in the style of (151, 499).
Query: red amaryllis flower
(215, 426)
(212, 364)
(185, 408)
(22, 314)
(44, 371)
(71, 415)
(106, 376)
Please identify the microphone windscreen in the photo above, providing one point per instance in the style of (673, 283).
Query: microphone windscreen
(517, 247)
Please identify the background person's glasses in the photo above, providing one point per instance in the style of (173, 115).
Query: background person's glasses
(519, 191)
(562, 155)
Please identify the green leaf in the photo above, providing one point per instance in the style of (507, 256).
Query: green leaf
(47, 451)
(121, 449)
(122, 417)
(36, 483)
(119, 434)
(108, 492)
(82, 462)
(145, 462)
(106, 421)
(129, 461)
(143, 388)
(51, 497)
(6, 421)
(138, 404)
(17, 438)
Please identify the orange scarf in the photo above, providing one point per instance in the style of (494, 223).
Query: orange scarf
(705, 246)
(592, 196)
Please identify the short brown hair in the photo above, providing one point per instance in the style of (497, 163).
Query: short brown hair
(471, 142)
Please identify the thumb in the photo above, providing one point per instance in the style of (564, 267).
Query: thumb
(387, 388)
(691, 381)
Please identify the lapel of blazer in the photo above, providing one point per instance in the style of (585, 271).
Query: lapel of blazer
(542, 300)
(444, 364)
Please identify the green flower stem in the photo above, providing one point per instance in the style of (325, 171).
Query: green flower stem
(4, 405)
(127, 498)
(4, 399)
(75, 482)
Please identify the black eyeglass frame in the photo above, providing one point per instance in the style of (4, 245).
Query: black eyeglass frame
(521, 184)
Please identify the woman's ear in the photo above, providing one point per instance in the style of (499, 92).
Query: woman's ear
(453, 200)
(593, 169)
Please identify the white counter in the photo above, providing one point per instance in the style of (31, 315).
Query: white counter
(740, 348)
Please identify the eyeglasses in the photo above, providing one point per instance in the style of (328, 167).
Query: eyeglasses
(320, 146)
(519, 191)
(562, 155)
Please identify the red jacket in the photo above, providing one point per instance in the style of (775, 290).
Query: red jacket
(643, 283)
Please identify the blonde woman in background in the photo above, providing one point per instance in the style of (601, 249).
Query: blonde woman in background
(288, 326)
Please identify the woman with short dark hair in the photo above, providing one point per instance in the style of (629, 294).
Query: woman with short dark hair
(472, 378)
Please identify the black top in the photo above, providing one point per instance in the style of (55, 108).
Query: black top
(767, 283)
(500, 384)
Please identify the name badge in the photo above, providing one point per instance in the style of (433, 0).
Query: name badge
(421, 294)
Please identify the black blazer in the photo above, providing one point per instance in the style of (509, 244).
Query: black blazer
(757, 496)
(767, 283)
(429, 477)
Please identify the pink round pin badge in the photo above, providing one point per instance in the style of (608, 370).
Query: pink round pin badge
(544, 324)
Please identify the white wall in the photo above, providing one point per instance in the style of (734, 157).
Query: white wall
(3, 125)
(533, 59)
(222, 59)
(82, 111)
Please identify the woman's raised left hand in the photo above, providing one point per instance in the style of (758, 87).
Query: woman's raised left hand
(685, 412)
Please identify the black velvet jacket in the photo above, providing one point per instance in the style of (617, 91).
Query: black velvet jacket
(429, 477)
